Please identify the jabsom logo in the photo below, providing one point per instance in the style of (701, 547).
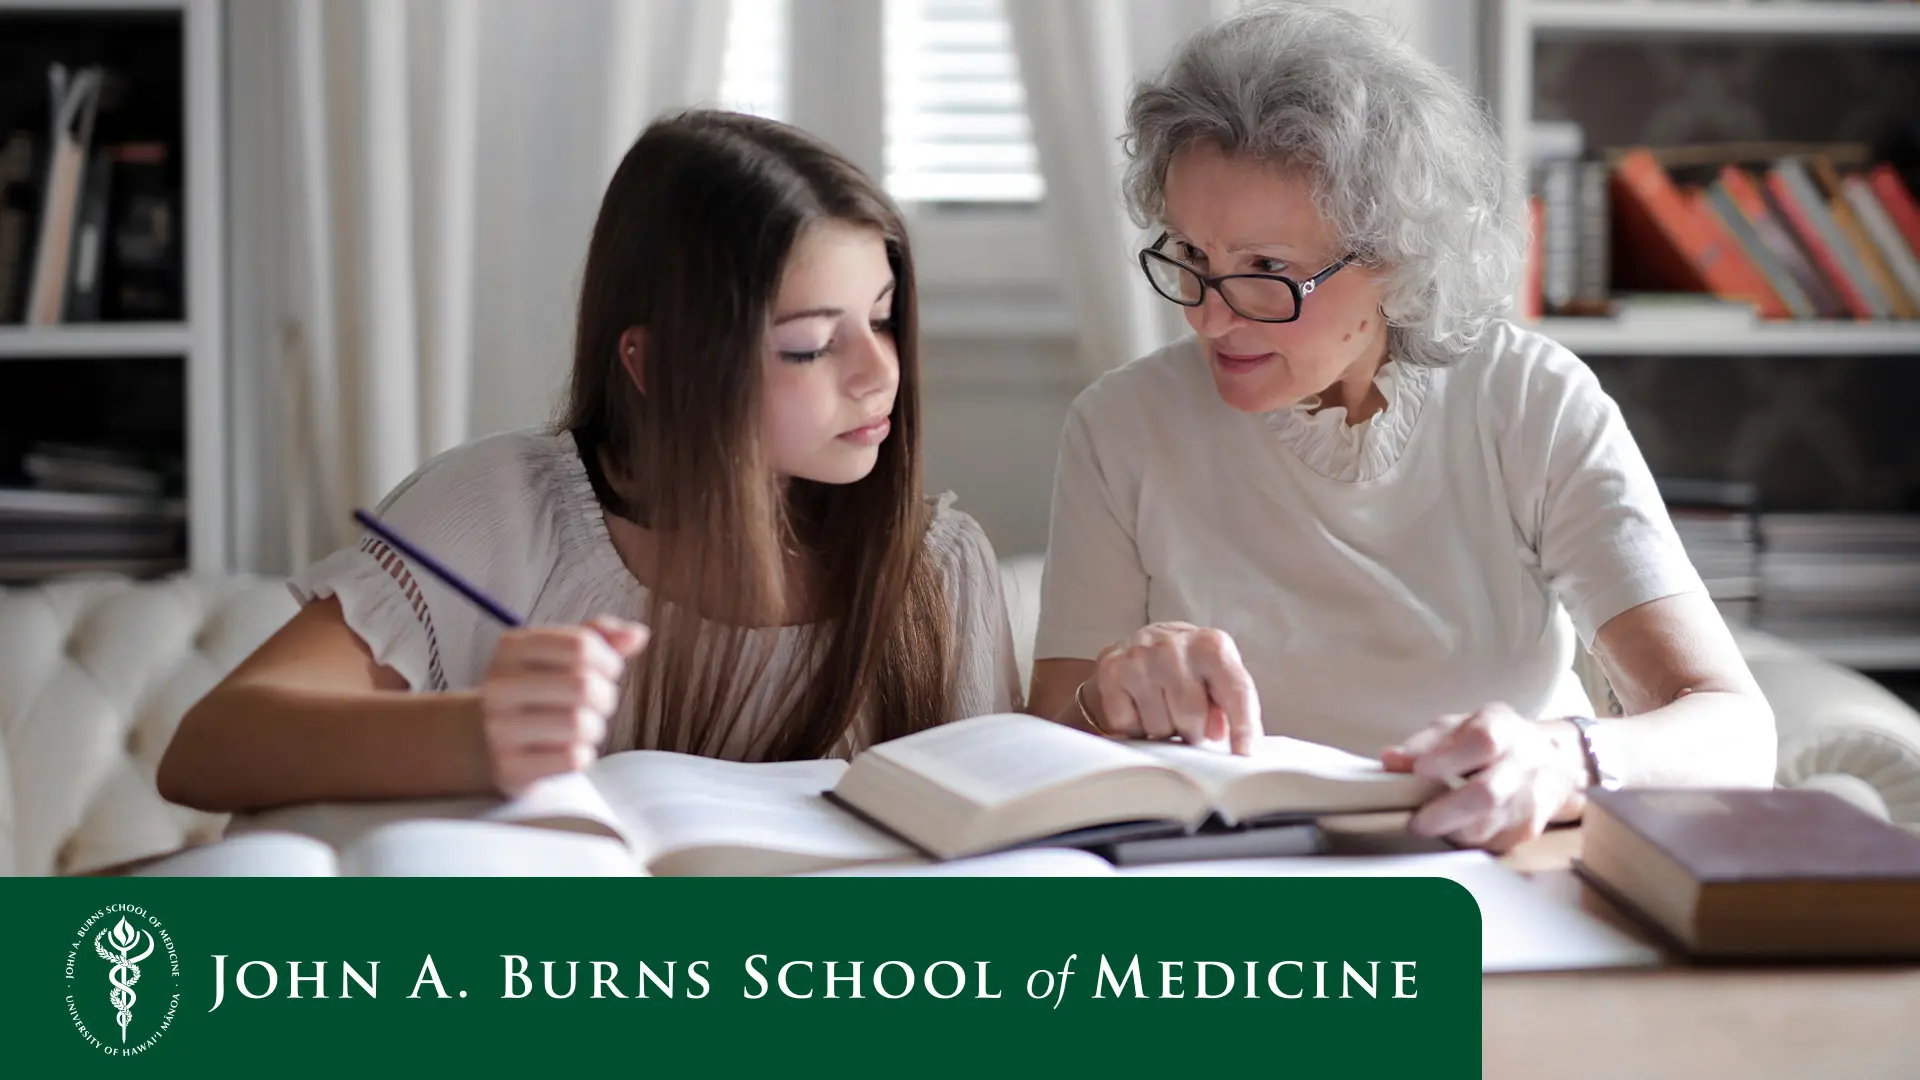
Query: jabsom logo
(123, 978)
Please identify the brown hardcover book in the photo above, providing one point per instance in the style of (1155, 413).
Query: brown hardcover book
(1662, 243)
(1757, 873)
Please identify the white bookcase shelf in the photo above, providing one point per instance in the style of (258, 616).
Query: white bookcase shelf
(1718, 18)
(199, 340)
(1517, 29)
(97, 339)
(1603, 337)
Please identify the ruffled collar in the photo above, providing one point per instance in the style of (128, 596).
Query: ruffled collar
(1355, 453)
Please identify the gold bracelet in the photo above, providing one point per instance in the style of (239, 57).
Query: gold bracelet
(1086, 716)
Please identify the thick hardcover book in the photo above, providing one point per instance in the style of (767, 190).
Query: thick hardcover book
(1756, 873)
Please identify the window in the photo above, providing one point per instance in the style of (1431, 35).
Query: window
(753, 71)
(956, 113)
(955, 118)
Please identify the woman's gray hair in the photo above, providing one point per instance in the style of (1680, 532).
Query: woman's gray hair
(1405, 164)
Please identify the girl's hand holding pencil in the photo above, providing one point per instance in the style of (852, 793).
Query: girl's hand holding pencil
(547, 695)
(549, 689)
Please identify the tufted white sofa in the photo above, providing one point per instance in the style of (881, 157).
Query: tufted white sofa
(94, 676)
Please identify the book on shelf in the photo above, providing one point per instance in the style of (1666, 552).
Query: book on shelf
(1799, 232)
(144, 277)
(1833, 576)
(1715, 522)
(90, 206)
(42, 504)
(18, 190)
(1897, 201)
(50, 533)
(1569, 241)
(1829, 186)
(1793, 192)
(1663, 244)
(994, 782)
(1737, 186)
(74, 97)
(1716, 203)
(1756, 873)
(1903, 267)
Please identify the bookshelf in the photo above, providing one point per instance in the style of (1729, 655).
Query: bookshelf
(1539, 55)
(1719, 18)
(119, 364)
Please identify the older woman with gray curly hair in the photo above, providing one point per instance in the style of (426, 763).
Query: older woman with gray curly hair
(1358, 506)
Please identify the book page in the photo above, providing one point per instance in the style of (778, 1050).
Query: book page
(1216, 769)
(992, 760)
(340, 824)
(707, 816)
(573, 802)
(1026, 862)
(259, 854)
(1292, 775)
(428, 848)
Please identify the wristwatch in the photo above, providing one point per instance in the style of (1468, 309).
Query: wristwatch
(1599, 775)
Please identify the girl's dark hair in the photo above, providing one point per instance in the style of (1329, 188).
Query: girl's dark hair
(690, 246)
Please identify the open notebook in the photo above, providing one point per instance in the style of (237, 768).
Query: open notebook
(637, 812)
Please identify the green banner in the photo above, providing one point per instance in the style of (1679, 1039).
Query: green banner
(849, 976)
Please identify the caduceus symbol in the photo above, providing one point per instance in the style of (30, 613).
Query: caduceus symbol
(126, 967)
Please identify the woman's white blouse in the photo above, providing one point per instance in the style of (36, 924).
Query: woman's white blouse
(515, 514)
(1374, 576)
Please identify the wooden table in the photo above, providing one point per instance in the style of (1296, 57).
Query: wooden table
(1749, 1023)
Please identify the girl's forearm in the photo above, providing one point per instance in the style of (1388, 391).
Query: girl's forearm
(250, 747)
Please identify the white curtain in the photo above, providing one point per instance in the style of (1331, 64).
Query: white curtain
(416, 181)
(1079, 60)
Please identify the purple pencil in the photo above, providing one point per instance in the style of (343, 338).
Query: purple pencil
(433, 566)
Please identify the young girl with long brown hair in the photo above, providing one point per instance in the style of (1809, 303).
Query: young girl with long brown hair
(722, 549)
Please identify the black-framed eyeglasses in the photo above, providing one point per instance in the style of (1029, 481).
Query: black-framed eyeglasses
(1268, 298)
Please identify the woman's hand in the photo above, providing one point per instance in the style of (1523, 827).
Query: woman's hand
(547, 695)
(1520, 775)
(1171, 679)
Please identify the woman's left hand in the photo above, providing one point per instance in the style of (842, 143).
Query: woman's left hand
(1517, 775)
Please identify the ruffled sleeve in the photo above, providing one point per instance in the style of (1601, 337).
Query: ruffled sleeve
(986, 675)
(472, 510)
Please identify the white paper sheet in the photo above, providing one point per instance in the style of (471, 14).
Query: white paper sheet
(1522, 927)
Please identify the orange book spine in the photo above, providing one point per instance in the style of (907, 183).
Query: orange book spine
(1770, 304)
(1671, 244)
(1856, 235)
(1897, 201)
(1809, 237)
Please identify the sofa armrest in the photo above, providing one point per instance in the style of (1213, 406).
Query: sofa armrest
(95, 674)
(1839, 730)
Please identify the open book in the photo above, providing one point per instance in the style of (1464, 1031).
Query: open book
(636, 812)
(994, 782)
